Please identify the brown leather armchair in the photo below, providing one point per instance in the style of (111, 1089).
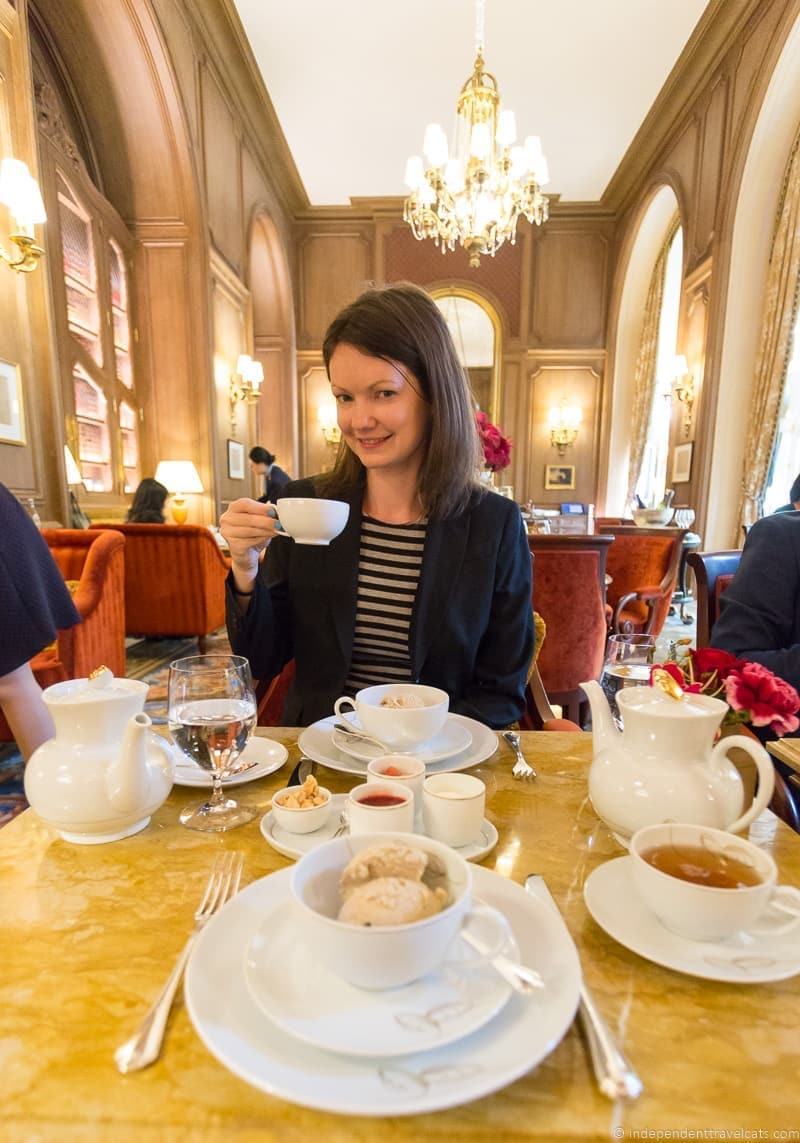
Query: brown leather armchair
(174, 579)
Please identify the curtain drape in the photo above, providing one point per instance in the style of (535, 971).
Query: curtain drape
(644, 381)
(780, 310)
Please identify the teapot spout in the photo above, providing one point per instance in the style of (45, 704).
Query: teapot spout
(604, 731)
(127, 778)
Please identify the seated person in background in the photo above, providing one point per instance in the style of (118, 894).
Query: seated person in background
(34, 603)
(760, 611)
(794, 498)
(148, 503)
(263, 462)
(430, 581)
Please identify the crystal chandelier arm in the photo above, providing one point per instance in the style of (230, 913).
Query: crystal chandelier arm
(480, 26)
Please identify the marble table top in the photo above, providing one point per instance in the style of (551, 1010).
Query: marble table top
(90, 932)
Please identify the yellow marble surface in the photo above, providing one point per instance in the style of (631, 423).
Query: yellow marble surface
(90, 932)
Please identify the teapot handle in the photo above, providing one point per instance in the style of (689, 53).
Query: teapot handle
(766, 775)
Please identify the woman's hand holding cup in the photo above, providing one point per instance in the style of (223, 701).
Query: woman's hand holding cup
(248, 526)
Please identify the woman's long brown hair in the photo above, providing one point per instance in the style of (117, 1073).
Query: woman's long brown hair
(403, 325)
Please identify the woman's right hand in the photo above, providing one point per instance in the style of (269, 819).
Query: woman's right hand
(248, 526)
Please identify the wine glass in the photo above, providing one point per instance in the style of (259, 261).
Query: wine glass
(212, 713)
(627, 664)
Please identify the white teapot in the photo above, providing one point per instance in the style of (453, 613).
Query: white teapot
(664, 766)
(105, 772)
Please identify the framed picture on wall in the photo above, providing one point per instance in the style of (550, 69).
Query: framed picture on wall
(559, 476)
(12, 413)
(682, 463)
(235, 460)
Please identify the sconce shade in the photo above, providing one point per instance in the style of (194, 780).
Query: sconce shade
(179, 476)
(73, 472)
(20, 192)
(680, 366)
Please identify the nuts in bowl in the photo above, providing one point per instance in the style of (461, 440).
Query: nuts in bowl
(302, 809)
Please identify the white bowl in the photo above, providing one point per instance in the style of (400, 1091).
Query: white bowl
(652, 517)
(301, 820)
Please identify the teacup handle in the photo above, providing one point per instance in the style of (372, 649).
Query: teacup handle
(337, 707)
(779, 901)
(766, 776)
(502, 934)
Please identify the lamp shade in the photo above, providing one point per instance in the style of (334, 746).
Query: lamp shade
(73, 472)
(20, 192)
(179, 476)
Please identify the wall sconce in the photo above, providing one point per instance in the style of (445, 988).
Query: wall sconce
(245, 384)
(564, 422)
(179, 477)
(685, 389)
(19, 191)
(329, 426)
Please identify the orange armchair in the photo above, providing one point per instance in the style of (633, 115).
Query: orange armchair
(95, 562)
(643, 564)
(174, 579)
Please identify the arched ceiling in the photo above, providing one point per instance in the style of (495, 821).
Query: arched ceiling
(355, 82)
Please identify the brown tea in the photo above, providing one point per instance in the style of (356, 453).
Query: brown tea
(702, 866)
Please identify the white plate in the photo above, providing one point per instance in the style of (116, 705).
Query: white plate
(742, 959)
(316, 741)
(517, 1039)
(306, 1000)
(451, 739)
(267, 756)
(296, 844)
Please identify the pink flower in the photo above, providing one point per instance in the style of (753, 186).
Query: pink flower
(496, 448)
(765, 699)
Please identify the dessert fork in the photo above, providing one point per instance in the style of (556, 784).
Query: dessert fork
(144, 1047)
(522, 769)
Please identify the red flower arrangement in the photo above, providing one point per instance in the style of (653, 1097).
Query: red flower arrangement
(496, 448)
(753, 693)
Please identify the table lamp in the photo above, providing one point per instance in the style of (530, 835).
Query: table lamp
(78, 518)
(179, 477)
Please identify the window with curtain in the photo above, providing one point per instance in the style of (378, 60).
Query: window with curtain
(653, 475)
(786, 458)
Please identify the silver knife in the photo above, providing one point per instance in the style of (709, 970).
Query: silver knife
(614, 1072)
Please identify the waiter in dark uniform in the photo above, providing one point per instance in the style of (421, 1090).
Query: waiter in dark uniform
(262, 461)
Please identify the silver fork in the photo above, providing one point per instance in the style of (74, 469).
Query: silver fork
(144, 1047)
(522, 769)
(344, 824)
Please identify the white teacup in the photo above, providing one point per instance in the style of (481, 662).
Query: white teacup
(387, 956)
(397, 816)
(405, 771)
(401, 728)
(311, 521)
(453, 807)
(702, 912)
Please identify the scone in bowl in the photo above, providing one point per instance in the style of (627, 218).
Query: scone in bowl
(384, 956)
(305, 820)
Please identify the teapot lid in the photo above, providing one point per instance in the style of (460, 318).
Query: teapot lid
(100, 686)
(657, 702)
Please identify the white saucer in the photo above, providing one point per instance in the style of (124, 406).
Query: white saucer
(266, 755)
(742, 959)
(294, 845)
(236, 1032)
(305, 999)
(316, 741)
(451, 739)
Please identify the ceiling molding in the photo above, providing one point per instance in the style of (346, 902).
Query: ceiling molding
(712, 39)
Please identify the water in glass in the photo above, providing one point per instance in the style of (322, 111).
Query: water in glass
(627, 664)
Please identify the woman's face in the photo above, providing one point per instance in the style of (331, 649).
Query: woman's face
(383, 418)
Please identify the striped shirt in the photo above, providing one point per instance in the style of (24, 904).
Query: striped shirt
(389, 564)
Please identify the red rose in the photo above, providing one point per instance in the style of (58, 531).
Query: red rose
(496, 448)
(706, 660)
(766, 699)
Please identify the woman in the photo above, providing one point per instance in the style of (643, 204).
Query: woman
(430, 581)
(34, 603)
(148, 503)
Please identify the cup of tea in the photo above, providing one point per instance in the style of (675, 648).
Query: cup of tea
(377, 806)
(452, 808)
(707, 884)
(309, 520)
(404, 771)
(402, 715)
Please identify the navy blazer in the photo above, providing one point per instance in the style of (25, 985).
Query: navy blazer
(471, 627)
(760, 611)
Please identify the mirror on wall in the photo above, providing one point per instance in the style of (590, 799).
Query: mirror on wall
(475, 329)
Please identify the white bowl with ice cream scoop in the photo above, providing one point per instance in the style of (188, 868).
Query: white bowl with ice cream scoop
(377, 954)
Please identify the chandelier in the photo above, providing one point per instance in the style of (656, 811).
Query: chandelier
(476, 196)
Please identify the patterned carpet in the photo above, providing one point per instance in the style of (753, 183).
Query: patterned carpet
(146, 659)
